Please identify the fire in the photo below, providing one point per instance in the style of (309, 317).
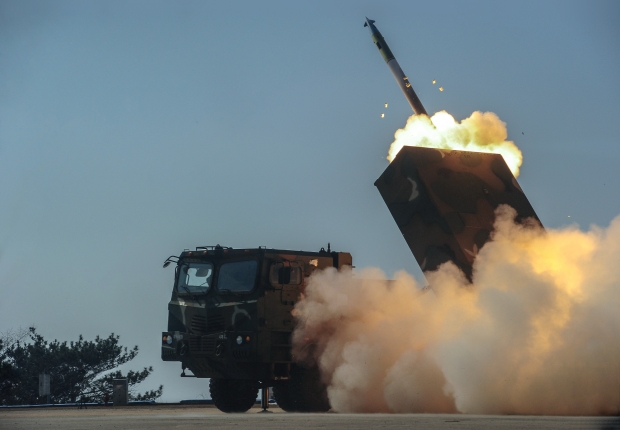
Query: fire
(481, 132)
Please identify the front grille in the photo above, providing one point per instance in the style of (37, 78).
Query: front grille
(241, 354)
(194, 344)
(198, 324)
(202, 345)
(208, 345)
(215, 323)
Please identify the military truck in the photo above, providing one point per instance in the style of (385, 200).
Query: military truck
(229, 319)
(230, 313)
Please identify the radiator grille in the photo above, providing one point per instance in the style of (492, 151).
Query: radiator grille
(198, 324)
(208, 345)
(202, 345)
(194, 344)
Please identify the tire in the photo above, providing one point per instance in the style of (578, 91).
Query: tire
(233, 395)
(286, 397)
(303, 392)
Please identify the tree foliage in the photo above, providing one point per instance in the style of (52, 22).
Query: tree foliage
(79, 370)
(9, 380)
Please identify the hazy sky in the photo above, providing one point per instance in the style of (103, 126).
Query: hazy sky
(132, 130)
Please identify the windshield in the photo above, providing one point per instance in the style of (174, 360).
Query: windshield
(237, 277)
(195, 278)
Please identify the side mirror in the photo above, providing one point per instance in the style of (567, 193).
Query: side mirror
(170, 260)
(284, 275)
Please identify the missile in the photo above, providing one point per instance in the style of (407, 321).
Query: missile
(401, 78)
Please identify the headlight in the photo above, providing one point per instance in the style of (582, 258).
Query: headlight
(169, 340)
(239, 340)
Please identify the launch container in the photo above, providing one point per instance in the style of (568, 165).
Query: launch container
(444, 202)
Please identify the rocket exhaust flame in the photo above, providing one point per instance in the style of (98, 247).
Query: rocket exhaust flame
(481, 132)
(536, 333)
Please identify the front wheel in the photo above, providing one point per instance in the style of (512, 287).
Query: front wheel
(233, 395)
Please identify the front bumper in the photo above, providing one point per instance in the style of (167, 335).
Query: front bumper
(222, 346)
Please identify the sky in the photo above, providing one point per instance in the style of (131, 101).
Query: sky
(132, 130)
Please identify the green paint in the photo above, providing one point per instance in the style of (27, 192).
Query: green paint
(384, 49)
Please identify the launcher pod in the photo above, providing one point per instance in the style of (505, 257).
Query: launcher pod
(444, 202)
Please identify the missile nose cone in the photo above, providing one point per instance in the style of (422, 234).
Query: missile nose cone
(370, 24)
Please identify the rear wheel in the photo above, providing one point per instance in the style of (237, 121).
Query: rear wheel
(286, 396)
(233, 395)
(302, 392)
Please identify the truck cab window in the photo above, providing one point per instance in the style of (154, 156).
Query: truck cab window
(195, 278)
(285, 274)
(237, 277)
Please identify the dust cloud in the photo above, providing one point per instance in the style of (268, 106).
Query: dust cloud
(481, 132)
(537, 332)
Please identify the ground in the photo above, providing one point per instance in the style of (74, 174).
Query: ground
(201, 416)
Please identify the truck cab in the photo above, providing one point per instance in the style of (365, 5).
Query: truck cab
(229, 319)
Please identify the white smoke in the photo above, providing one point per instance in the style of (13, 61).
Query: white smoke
(481, 132)
(538, 331)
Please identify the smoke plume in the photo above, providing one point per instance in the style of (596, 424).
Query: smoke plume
(481, 132)
(537, 332)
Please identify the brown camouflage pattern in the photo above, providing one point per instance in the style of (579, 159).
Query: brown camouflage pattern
(444, 202)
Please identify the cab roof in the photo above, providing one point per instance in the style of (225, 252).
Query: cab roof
(228, 251)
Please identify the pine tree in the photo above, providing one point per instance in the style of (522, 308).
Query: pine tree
(80, 370)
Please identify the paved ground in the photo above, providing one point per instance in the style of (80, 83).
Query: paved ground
(203, 417)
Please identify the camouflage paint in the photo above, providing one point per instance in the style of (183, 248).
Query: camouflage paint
(444, 202)
(203, 328)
